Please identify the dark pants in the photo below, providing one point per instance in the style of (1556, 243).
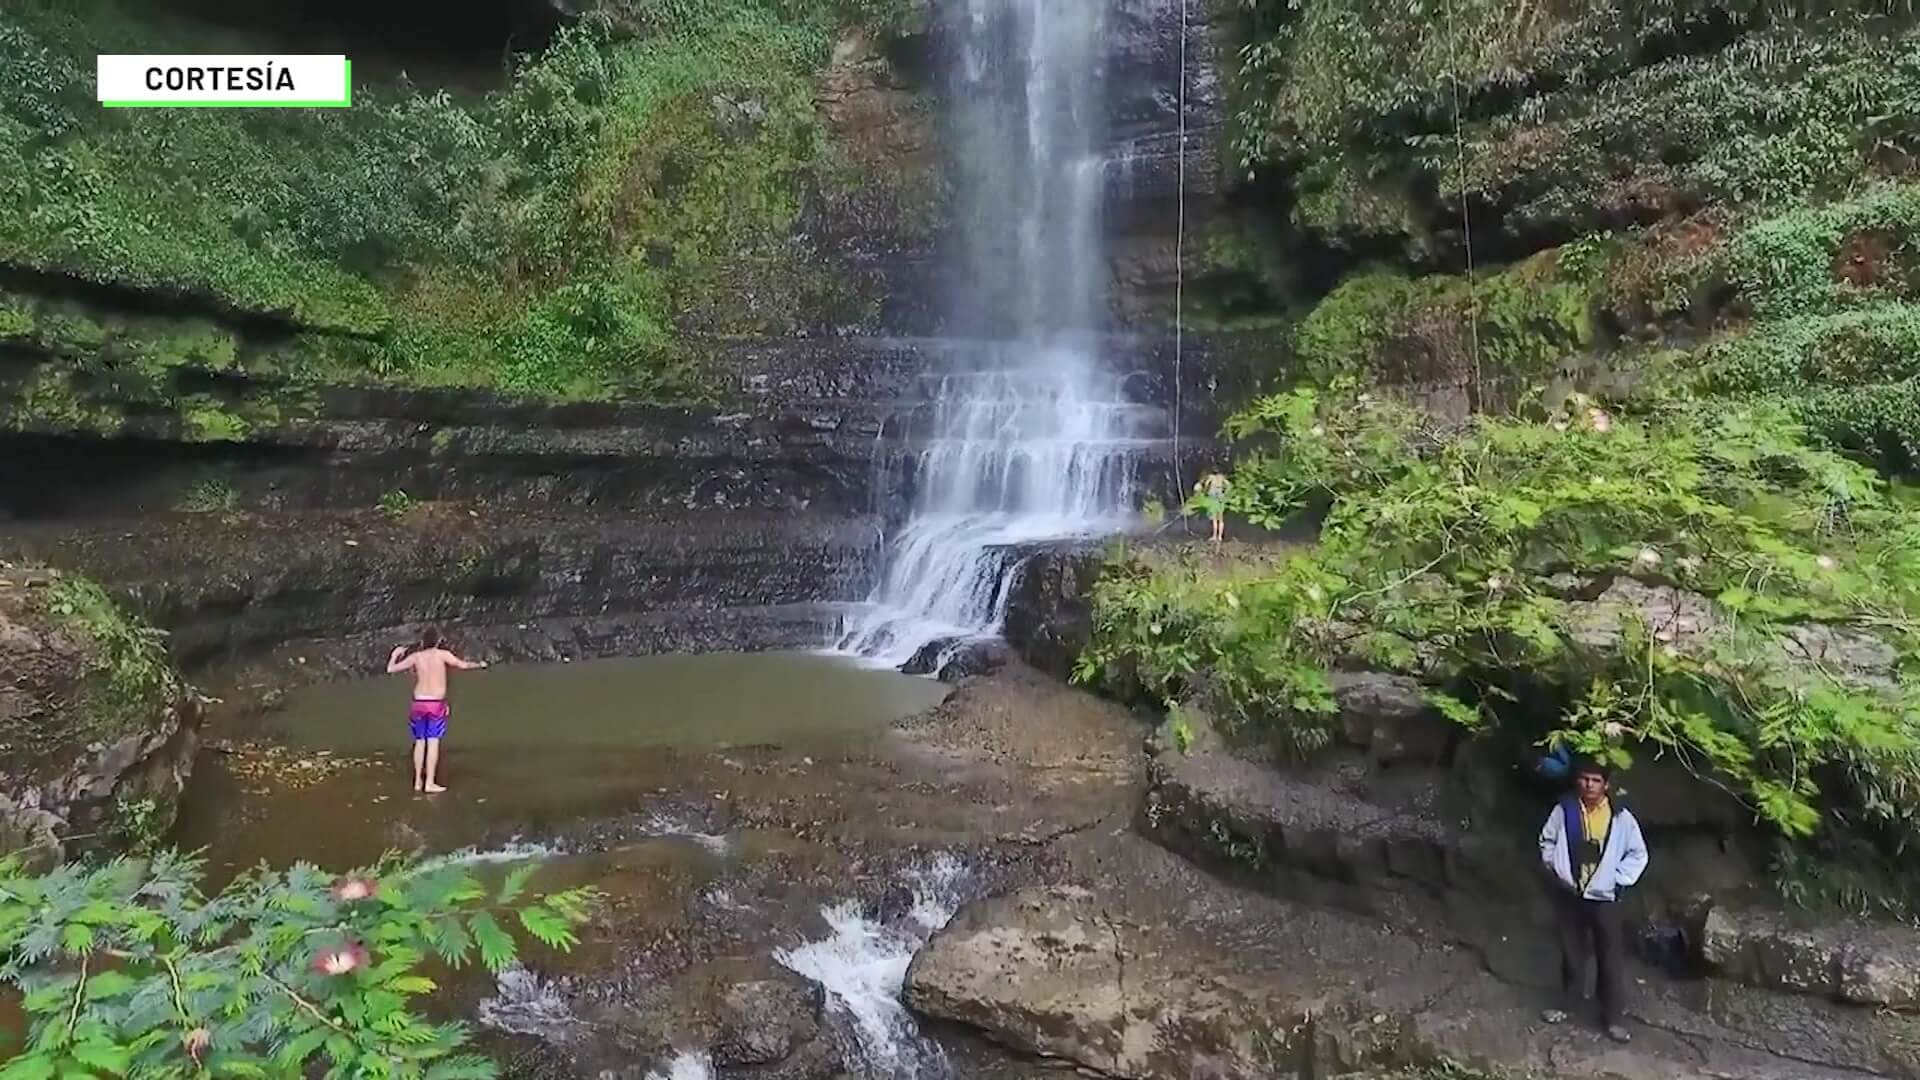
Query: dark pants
(1592, 928)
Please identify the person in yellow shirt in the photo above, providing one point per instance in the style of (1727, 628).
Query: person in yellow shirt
(1594, 849)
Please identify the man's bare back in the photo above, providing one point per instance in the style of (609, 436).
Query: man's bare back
(429, 667)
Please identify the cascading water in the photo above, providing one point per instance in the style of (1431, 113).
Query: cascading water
(1030, 438)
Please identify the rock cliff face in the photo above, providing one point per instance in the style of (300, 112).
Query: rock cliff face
(97, 732)
(245, 501)
(366, 511)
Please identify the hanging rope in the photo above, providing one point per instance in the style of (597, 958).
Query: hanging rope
(1180, 264)
(1466, 212)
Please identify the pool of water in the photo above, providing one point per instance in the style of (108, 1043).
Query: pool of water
(670, 700)
(532, 750)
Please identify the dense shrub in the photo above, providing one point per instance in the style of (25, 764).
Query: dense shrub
(1453, 556)
(543, 238)
(1552, 119)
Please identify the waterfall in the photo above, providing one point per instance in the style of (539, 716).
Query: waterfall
(1030, 437)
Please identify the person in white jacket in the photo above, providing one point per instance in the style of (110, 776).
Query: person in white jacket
(1593, 847)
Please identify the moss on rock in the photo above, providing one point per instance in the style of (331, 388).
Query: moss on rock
(641, 178)
(96, 725)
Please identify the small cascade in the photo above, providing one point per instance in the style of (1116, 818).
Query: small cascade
(862, 965)
(1031, 438)
(685, 1066)
(1029, 445)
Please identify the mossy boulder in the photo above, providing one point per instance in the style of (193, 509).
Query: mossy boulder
(97, 729)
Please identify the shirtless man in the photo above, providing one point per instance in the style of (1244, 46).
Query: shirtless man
(430, 712)
(1210, 493)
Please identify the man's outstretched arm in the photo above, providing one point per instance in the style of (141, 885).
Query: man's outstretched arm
(394, 662)
(464, 665)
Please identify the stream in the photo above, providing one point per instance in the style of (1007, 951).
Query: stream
(752, 818)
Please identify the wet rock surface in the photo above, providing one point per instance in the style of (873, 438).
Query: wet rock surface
(741, 878)
(263, 580)
(1858, 962)
(1046, 970)
(1050, 609)
(1404, 854)
(80, 754)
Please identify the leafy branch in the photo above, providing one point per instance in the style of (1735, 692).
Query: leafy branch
(279, 971)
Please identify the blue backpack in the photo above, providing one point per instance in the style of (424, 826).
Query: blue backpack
(1555, 764)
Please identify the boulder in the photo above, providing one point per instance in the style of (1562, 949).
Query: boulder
(926, 659)
(1047, 971)
(1850, 654)
(1674, 617)
(1388, 716)
(773, 1026)
(1853, 961)
(983, 657)
(1050, 606)
(746, 1016)
(1686, 621)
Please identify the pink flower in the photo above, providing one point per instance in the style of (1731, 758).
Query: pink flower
(347, 890)
(341, 959)
(1601, 422)
(196, 1042)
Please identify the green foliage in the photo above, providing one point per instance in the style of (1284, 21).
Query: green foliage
(1388, 118)
(127, 663)
(397, 503)
(546, 238)
(1346, 330)
(1793, 263)
(208, 495)
(206, 419)
(1179, 726)
(1822, 300)
(1833, 294)
(125, 969)
(1514, 324)
(1446, 556)
(138, 824)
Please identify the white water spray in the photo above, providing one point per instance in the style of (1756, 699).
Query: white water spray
(1031, 437)
(862, 965)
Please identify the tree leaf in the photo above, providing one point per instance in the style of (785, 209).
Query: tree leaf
(76, 937)
(496, 945)
(103, 1057)
(463, 1067)
(108, 984)
(296, 1051)
(28, 1067)
(550, 927)
(516, 882)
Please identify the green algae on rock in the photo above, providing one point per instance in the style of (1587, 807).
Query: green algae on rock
(99, 729)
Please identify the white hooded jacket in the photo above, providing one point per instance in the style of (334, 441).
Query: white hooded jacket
(1623, 855)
